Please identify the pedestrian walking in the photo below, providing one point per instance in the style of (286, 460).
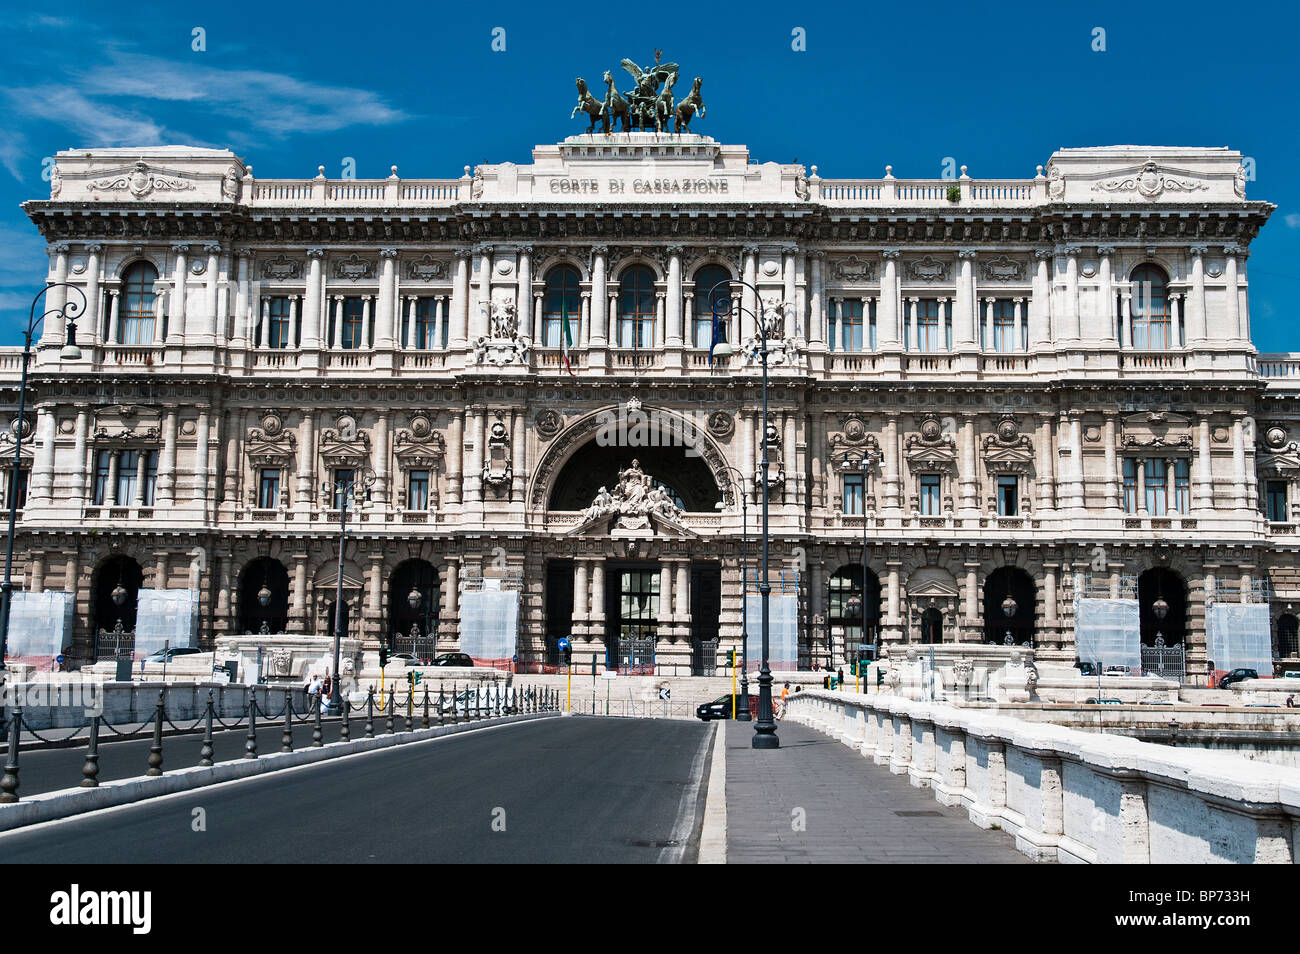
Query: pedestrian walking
(1290, 702)
(785, 697)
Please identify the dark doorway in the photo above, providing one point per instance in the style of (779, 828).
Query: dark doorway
(330, 622)
(1162, 583)
(1014, 583)
(413, 629)
(559, 607)
(594, 466)
(844, 611)
(631, 616)
(706, 607)
(932, 626)
(270, 574)
(117, 571)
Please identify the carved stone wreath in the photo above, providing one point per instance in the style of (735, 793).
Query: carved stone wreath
(548, 423)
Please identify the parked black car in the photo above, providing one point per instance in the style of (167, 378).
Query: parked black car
(1237, 675)
(718, 708)
(454, 659)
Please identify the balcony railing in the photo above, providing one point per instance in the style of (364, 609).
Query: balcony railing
(1152, 360)
(1283, 365)
(390, 192)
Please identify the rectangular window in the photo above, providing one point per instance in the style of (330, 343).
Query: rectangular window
(1008, 496)
(20, 491)
(1130, 485)
(417, 494)
(1004, 326)
(150, 478)
(703, 327)
(851, 324)
(353, 315)
(853, 494)
(930, 501)
(342, 478)
(127, 464)
(100, 493)
(1157, 487)
(426, 312)
(268, 489)
(278, 323)
(930, 334)
(1182, 486)
(1275, 500)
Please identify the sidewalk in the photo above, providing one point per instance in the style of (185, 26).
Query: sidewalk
(853, 810)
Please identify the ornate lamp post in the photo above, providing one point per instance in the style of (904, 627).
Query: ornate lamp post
(765, 728)
(1009, 607)
(343, 491)
(68, 310)
(742, 710)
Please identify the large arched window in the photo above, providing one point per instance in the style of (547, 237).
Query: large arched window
(562, 305)
(137, 305)
(844, 613)
(269, 574)
(706, 281)
(636, 308)
(1152, 320)
(1009, 597)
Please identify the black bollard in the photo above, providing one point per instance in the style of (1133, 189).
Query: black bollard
(424, 723)
(345, 729)
(155, 750)
(442, 701)
(9, 782)
(370, 713)
(250, 745)
(410, 709)
(286, 737)
(317, 737)
(388, 722)
(90, 768)
(205, 751)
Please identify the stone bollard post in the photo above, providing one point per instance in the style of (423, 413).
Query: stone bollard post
(155, 750)
(9, 782)
(250, 743)
(90, 769)
(205, 750)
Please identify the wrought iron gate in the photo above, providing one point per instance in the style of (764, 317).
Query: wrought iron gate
(636, 654)
(704, 658)
(1167, 662)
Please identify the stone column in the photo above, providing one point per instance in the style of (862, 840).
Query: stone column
(140, 460)
(581, 593)
(1046, 467)
(791, 313)
(479, 315)
(890, 335)
(1196, 324)
(965, 304)
(969, 473)
(747, 297)
(1112, 482)
(460, 300)
(524, 290)
(1106, 292)
(306, 462)
(451, 593)
(1049, 594)
(53, 332)
(790, 457)
(1040, 300)
(971, 608)
(115, 335)
(598, 595)
(674, 336)
(205, 328)
(682, 593)
(1071, 330)
(381, 489)
(519, 453)
(110, 492)
(79, 457)
(1239, 476)
(893, 486)
(1204, 467)
(90, 320)
(599, 295)
(201, 460)
(455, 456)
(42, 483)
(386, 318)
(1233, 326)
(816, 301)
(167, 459)
(666, 591)
(180, 273)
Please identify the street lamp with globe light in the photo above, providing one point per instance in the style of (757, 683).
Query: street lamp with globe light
(341, 491)
(742, 709)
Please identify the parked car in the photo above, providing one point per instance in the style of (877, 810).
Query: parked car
(454, 659)
(717, 709)
(167, 655)
(1291, 674)
(1093, 701)
(1237, 675)
(405, 658)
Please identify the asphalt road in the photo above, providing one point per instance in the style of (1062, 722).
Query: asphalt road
(577, 789)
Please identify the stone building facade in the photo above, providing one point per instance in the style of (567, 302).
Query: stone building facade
(1009, 389)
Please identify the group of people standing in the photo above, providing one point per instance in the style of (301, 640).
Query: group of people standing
(319, 691)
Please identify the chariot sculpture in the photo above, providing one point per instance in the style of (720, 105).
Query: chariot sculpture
(646, 106)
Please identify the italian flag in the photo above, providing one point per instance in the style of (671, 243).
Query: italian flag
(567, 342)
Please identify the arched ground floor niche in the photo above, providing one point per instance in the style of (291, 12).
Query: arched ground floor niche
(264, 578)
(1162, 606)
(115, 594)
(850, 635)
(1009, 598)
(685, 477)
(413, 606)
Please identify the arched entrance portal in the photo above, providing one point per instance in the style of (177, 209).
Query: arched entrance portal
(413, 609)
(1009, 588)
(1154, 586)
(594, 465)
(264, 577)
(116, 591)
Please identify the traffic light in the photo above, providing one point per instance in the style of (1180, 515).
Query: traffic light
(731, 657)
(418, 676)
(880, 678)
(568, 655)
(383, 655)
(410, 680)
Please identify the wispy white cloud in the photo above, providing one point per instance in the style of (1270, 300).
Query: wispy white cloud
(1292, 220)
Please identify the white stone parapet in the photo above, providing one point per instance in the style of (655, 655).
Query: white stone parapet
(1068, 795)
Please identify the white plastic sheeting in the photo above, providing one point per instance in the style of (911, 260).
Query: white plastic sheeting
(782, 632)
(1108, 632)
(40, 625)
(165, 618)
(489, 623)
(1239, 637)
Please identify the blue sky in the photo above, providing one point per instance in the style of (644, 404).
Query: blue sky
(293, 86)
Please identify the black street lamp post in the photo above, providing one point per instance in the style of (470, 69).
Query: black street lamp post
(68, 311)
(765, 736)
(742, 710)
(342, 491)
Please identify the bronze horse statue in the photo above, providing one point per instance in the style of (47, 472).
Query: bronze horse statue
(615, 106)
(689, 106)
(590, 105)
(664, 105)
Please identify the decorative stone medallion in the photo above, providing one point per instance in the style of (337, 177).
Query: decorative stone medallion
(720, 424)
(548, 423)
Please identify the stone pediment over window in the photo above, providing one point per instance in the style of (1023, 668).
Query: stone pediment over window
(1275, 456)
(851, 444)
(344, 445)
(7, 442)
(270, 445)
(1006, 450)
(419, 447)
(931, 449)
(1155, 429)
(126, 424)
